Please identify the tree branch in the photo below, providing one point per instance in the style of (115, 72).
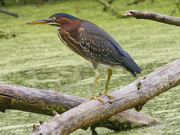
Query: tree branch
(133, 95)
(154, 16)
(9, 13)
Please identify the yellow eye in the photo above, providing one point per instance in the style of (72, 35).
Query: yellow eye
(52, 18)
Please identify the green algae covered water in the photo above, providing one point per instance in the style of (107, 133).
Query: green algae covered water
(37, 58)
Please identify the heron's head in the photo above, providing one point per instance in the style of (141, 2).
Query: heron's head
(57, 20)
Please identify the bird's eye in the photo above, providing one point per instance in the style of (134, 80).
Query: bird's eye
(52, 18)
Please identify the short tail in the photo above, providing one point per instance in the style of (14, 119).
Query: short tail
(131, 66)
(132, 72)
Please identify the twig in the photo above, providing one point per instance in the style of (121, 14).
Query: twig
(107, 6)
(9, 13)
(176, 7)
(135, 2)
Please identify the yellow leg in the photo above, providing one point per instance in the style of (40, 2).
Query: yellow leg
(107, 84)
(94, 88)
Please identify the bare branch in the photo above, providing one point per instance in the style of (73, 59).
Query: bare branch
(135, 2)
(105, 3)
(9, 13)
(176, 7)
(154, 16)
(135, 94)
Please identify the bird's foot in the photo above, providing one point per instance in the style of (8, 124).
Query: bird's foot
(111, 97)
(94, 99)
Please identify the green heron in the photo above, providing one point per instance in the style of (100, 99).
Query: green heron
(92, 43)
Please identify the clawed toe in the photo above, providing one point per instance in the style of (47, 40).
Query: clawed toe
(111, 97)
(94, 99)
(108, 95)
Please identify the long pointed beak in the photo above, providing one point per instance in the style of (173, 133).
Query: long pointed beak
(44, 21)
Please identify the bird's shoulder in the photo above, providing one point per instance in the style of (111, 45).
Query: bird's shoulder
(93, 31)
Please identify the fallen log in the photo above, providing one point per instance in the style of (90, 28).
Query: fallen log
(154, 16)
(46, 101)
(35, 100)
(135, 95)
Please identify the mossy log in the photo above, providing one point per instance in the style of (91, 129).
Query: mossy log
(36, 100)
(136, 94)
(154, 16)
(46, 101)
(127, 120)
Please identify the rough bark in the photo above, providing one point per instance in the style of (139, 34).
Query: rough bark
(154, 16)
(135, 95)
(45, 102)
(9, 13)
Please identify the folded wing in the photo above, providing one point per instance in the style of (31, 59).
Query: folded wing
(101, 47)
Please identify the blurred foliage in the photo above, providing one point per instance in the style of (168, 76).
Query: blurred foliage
(116, 9)
(24, 2)
(177, 7)
(6, 35)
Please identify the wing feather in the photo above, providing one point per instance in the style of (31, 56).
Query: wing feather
(101, 47)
